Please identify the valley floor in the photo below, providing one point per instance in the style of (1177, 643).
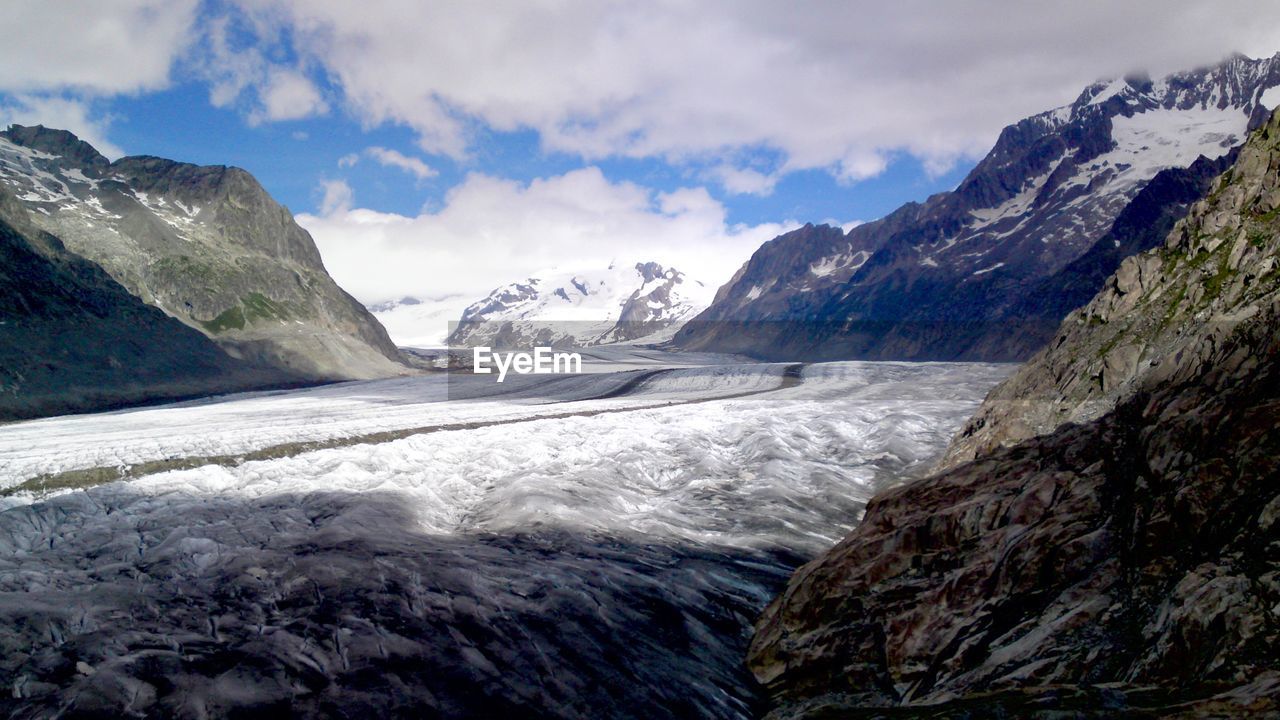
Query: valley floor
(575, 546)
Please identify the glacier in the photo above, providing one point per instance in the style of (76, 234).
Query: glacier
(556, 551)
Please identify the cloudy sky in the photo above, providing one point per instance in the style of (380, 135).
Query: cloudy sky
(438, 148)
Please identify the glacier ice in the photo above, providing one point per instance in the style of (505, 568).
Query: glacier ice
(589, 565)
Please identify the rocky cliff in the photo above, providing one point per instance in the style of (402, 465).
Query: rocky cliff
(207, 245)
(981, 272)
(1127, 565)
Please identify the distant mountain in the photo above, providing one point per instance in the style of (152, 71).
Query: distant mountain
(207, 245)
(986, 271)
(420, 322)
(644, 302)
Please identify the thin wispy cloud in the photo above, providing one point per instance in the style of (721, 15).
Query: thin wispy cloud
(397, 159)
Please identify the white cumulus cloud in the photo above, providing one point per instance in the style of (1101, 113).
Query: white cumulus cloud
(240, 74)
(92, 46)
(287, 94)
(491, 231)
(58, 58)
(843, 86)
(336, 197)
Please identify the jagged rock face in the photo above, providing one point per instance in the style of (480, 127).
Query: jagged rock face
(205, 244)
(954, 277)
(1125, 566)
(1128, 564)
(73, 340)
(1158, 317)
(644, 302)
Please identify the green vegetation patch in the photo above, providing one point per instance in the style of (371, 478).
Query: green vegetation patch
(1172, 310)
(1170, 257)
(254, 307)
(1213, 284)
(1110, 344)
(260, 307)
(230, 319)
(185, 267)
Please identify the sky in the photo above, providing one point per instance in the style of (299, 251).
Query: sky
(445, 148)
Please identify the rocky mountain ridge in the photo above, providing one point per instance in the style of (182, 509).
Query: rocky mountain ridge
(1127, 565)
(207, 245)
(963, 274)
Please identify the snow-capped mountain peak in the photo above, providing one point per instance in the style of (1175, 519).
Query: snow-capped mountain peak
(642, 301)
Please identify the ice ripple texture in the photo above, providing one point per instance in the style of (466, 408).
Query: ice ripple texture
(604, 566)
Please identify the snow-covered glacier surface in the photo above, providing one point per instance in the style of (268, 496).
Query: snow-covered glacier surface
(582, 564)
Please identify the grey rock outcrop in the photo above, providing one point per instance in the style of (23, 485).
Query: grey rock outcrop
(1124, 566)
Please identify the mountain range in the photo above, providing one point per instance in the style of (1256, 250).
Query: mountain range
(986, 272)
(641, 302)
(1101, 539)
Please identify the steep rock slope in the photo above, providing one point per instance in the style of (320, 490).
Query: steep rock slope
(1128, 566)
(72, 339)
(643, 302)
(962, 275)
(1143, 224)
(205, 244)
